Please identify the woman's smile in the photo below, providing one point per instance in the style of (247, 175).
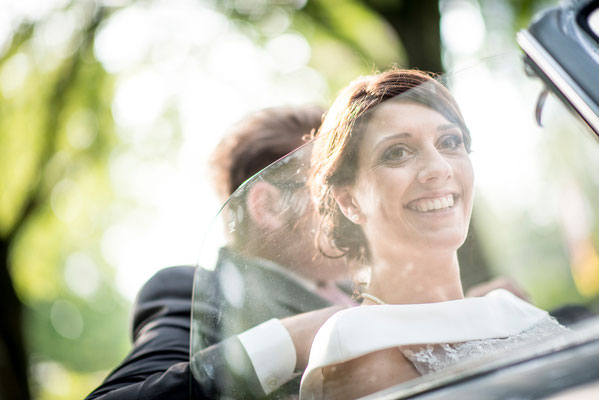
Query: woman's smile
(431, 204)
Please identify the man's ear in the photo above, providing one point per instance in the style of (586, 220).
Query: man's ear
(347, 203)
(264, 206)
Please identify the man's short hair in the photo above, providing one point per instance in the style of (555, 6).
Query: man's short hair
(257, 141)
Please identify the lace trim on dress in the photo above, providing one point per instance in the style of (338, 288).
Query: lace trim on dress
(435, 358)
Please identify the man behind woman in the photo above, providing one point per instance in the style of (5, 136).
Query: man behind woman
(158, 365)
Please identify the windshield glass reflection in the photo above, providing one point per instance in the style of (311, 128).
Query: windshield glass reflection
(413, 198)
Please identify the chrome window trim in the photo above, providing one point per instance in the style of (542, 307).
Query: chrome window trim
(560, 78)
(593, 21)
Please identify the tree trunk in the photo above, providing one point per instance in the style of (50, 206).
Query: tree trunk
(13, 358)
(417, 24)
(13, 354)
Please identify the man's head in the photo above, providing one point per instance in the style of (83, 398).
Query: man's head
(270, 217)
(257, 141)
(254, 216)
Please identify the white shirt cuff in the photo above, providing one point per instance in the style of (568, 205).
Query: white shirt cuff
(271, 352)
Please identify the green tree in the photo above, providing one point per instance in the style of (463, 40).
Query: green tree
(56, 132)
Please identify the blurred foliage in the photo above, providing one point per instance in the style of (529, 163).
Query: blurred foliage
(56, 138)
(525, 10)
(549, 241)
(56, 134)
(348, 38)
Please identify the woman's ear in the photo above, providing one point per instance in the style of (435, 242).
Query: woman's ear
(347, 204)
(264, 206)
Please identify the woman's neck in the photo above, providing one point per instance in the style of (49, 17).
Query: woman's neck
(427, 279)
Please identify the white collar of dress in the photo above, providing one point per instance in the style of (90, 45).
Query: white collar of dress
(357, 331)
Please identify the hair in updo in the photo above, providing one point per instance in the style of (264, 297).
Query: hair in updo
(335, 152)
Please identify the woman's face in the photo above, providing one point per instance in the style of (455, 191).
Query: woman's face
(414, 181)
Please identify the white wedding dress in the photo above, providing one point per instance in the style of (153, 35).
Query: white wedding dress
(432, 336)
(437, 357)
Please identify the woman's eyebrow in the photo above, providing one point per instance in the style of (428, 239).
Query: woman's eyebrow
(447, 127)
(392, 137)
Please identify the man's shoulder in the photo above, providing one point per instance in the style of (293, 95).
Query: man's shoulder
(164, 301)
(168, 282)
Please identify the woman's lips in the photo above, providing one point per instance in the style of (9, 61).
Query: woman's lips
(429, 204)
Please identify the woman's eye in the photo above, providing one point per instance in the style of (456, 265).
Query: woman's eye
(396, 153)
(451, 142)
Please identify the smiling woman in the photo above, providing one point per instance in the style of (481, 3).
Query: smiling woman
(393, 182)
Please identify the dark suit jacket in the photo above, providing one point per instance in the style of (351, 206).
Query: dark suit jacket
(236, 296)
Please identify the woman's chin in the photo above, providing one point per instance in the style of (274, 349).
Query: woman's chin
(442, 242)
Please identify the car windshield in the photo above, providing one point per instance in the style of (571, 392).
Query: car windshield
(459, 232)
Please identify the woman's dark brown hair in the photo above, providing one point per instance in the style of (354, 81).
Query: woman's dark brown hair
(335, 152)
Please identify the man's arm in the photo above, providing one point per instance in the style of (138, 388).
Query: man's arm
(158, 365)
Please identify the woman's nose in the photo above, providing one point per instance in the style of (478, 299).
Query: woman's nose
(434, 167)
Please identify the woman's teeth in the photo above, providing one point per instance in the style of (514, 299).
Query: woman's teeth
(438, 203)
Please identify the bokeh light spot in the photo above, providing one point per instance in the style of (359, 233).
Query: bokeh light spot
(139, 99)
(66, 200)
(81, 129)
(81, 274)
(289, 51)
(462, 27)
(13, 74)
(232, 285)
(66, 319)
(53, 377)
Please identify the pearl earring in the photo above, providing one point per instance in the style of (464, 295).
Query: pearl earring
(355, 217)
